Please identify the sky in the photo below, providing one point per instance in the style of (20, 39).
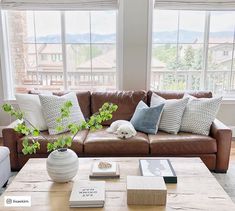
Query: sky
(48, 22)
(104, 22)
(192, 20)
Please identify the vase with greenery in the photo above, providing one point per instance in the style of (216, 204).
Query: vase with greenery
(67, 162)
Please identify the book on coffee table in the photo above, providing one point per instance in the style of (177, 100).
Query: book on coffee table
(158, 167)
(87, 193)
(112, 171)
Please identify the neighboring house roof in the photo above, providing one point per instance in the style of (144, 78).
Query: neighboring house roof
(107, 60)
(50, 49)
(44, 49)
(221, 46)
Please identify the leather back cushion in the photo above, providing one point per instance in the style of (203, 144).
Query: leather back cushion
(84, 100)
(126, 101)
(178, 95)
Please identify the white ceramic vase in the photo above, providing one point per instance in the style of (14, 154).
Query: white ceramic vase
(62, 165)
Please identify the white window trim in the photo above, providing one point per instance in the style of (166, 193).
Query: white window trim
(119, 46)
(6, 65)
(228, 98)
(63, 44)
(149, 48)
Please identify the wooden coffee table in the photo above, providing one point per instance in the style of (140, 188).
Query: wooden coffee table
(197, 189)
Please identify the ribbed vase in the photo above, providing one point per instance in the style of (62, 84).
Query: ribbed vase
(62, 165)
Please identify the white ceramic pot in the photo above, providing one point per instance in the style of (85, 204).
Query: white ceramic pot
(62, 165)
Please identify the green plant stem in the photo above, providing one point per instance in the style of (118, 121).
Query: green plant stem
(40, 133)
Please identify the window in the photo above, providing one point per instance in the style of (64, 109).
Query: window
(53, 50)
(193, 50)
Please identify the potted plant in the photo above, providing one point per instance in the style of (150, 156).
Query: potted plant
(62, 163)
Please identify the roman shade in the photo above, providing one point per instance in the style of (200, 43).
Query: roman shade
(59, 4)
(195, 4)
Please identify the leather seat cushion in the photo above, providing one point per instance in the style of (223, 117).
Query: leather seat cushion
(181, 144)
(102, 143)
(77, 145)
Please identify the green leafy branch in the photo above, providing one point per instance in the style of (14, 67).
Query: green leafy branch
(94, 123)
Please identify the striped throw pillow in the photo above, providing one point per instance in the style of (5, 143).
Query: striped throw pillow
(199, 114)
(172, 113)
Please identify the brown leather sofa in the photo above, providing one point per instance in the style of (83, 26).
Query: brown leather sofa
(214, 150)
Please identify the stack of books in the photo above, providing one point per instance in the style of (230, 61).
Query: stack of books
(102, 169)
(87, 193)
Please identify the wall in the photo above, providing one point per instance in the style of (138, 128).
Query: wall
(135, 43)
(134, 56)
(227, 114)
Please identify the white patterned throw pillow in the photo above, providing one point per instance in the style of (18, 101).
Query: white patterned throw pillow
(31, 107)
(51, 106)
(199, 114)
(172, 113)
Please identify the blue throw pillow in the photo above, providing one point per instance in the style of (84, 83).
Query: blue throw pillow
(146, 119)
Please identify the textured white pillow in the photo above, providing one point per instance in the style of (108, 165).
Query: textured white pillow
(51, 110)
(31, 107)
(199, 114)
(172, 112)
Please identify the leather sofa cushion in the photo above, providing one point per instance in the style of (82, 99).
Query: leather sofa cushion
(126, 101)
(84, 100)
(77, 145)
(102, 143)
(178, 95)
(182, 144)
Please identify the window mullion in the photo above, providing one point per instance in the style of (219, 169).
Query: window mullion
(177, 48)
(91, 50)
(205, 50)
(35, 47)
(231, 71)
(64, 54)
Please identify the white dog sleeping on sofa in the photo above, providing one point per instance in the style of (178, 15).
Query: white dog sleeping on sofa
(123, 129)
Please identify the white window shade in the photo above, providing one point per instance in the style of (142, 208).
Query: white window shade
(195, 4)
(59, 4)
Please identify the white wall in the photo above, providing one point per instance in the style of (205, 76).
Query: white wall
(134, 55)
(226, 114)
(135, 43)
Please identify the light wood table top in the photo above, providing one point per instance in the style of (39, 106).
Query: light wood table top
(197, 189)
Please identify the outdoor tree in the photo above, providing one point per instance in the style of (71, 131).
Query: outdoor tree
(188, 57)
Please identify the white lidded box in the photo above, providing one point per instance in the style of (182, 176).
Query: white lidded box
(146, 190)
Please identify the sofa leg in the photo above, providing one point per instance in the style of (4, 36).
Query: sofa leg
(220, 171)
(5, 185)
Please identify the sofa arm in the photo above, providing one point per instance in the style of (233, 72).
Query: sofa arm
(10, 137)
(223, 136)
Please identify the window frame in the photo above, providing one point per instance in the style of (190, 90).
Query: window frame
(5, 56)
(206, 43)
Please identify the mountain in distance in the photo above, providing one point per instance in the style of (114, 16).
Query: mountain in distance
(158, 37)
(76, 38)
(188, 36)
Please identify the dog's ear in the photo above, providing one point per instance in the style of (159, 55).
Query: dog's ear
(115, 132)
